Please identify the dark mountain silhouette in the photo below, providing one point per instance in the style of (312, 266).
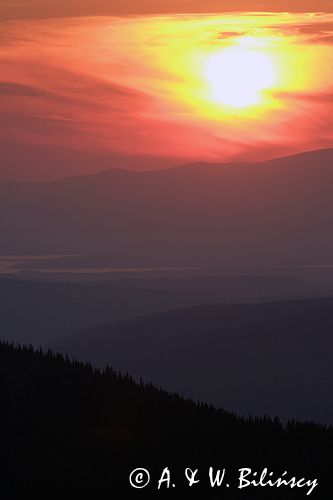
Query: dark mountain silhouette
(270, 358)
(277, 212)
(69, 431)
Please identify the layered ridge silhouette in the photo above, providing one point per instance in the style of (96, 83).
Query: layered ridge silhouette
(278, 212)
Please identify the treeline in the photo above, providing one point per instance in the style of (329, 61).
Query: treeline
(68, 430)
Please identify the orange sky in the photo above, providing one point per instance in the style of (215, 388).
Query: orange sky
(156, 85)
(23, 9)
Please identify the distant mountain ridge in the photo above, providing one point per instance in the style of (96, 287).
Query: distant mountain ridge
(275, 212)
(36, 313)
(301, 159)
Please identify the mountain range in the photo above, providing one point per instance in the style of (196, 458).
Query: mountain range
(278, 212)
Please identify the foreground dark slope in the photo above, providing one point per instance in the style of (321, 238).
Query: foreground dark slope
(277, 212)
(273, 358)
(68, 431)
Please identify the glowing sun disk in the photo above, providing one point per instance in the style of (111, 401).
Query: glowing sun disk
(237, 76)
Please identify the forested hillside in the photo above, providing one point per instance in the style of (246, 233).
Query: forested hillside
(69, 431)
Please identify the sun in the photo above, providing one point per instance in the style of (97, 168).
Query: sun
(237, 76)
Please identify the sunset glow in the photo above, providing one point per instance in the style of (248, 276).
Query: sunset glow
(212, 87)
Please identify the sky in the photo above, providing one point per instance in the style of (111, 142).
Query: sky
(85, 86)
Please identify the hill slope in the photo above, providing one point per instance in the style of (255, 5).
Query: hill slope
(70, 432)
(273, 358)
(38, 312)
